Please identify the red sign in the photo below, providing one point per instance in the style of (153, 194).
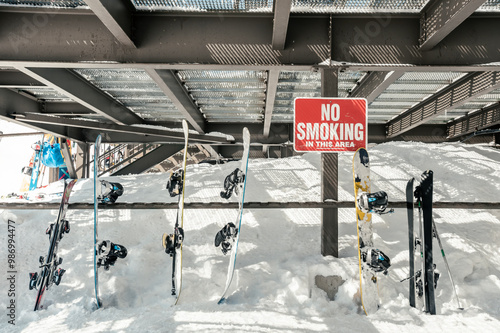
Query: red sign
(330, 124)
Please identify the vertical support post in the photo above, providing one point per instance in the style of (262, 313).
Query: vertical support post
(81, 160)
(329, 178)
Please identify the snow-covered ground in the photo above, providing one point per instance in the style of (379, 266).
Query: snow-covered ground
(279, 253)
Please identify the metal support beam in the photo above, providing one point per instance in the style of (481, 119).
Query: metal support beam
(172, 86)
(375, 83)
(68, 159)
(160, 134)
(329, 178)
(271, 88)
(280, 23)
(79, 39)
(116, 15)
(11, 102)
(458, 93)
(474, 121)
(440, 17)
(150, 159)
(16, 80)
(388, 39)
(78, 89)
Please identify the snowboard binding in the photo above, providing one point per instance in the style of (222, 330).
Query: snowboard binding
(374, 203)
(174, 184)
(225, 237)
(111, 192)
(171, 242)
(233, 183)
(108, 253)
(376, 260)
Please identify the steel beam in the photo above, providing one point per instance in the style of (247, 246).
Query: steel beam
(386, 39)
(172, 86)
(65, 109)
(185, 41)
(375, 83)
(16, 80)
(271, 88)
(474, 121)
(458, 93)
(12, 102)
(440, 17)
(280, 23)
(168, 135)
(116, 15)
(149, 160)
(329, 177)
(68, 159)
(75, 87)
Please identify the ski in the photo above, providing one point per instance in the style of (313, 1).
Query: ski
(423, 194)
(105, 252)
(371, 260)
(50, 273)
(229, 236)
(411, 239)
(172, 243)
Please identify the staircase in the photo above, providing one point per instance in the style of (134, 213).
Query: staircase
(149, 158)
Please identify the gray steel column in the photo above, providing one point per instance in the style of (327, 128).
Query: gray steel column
(329, 178)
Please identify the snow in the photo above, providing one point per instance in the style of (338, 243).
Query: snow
(279, 253)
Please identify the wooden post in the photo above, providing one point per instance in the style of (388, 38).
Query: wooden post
(329, 178)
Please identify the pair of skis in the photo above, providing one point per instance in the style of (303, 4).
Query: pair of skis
(50, 273)
(422, 282)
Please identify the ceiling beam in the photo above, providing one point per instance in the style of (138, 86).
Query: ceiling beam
(65, 109)
(474, 121)
(440, 17)
(12, 102)
(374, 83)
(458, 93)
(243, 40)
(393, 40)
(17, 80)
(280, 23)
(116, 15)
(162, 135)
(172, 86)
(72, 85)
(271, 88)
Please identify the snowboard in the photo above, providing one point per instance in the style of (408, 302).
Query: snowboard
(367, 278)
(173, 242)
(105, 252)
(49, 271)
(241, 197)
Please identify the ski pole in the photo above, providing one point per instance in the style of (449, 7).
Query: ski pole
(446, 263)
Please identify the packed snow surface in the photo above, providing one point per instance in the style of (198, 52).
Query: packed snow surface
(279, 252)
